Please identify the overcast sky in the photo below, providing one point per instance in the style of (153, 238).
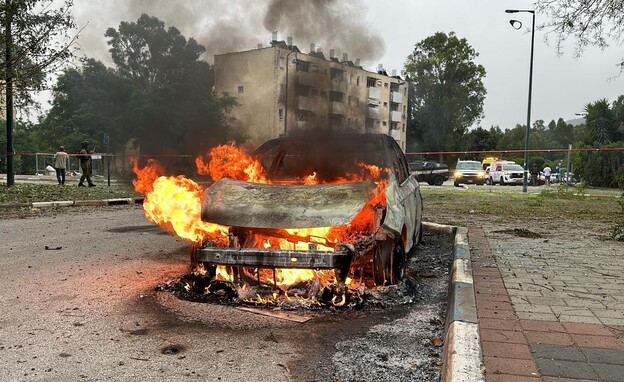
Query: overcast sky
(385, 32)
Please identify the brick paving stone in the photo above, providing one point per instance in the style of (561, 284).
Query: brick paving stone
(608, 356)
(603, 342)
(612, 321)
(542, 326)
(551, 338)
(494, 305)
(569, 369)
(509, 378)
(485, 297)
(611, 373)
(579, 328)
(572, 311)
(579, 319)
(494, 323)
(496, 365)
(562, 353)
(532, 308)
(507, 350)
(537, 316)
(498, 314)
(559, 379)
(508, 336)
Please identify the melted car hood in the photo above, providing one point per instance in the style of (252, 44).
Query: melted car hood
(242, 204)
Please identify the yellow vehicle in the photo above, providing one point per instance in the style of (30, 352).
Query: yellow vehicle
(488, 161)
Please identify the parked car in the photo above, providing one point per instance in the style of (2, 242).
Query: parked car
(469, 172)
(370, 232)
(433, 173)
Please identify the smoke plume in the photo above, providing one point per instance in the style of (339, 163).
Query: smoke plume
(227, 26)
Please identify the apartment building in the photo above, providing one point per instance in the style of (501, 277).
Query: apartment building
(282, 90)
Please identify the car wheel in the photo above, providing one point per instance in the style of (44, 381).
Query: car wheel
(502, 181)
(388, 261)
(456, 183)
(490, 181)
(430, 183)
(399, 259)
(438, 181)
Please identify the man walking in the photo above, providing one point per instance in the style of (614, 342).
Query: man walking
(60, 163)
(547, 171)
(85, 165)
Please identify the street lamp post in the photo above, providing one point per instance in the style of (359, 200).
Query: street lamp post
(528, 125)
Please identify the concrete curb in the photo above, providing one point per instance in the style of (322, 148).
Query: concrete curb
(69, 203)
(462, 357)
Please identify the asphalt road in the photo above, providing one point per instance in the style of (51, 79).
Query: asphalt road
(78, 303)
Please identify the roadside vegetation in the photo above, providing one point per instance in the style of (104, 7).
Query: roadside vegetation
(599, 211)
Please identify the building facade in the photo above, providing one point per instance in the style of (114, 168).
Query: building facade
(282, 90)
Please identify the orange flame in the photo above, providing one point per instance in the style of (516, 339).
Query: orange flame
(146, 175)
(229, 161)
(175, 203)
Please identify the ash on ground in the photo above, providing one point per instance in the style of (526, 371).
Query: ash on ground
(198, 286)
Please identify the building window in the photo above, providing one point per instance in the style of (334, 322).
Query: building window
(349, 100)
(323, 93)
(302, 90)
(357, 81)
(314, 92)
(302, 115)
(280, 113)
(386, 85)
(385, 123)
(377, 122)
(335, 97)
(336, 74)
(370, 82)
(357, 101)
(240, 89)
(386, 105)
(303, 66)
(370, 123)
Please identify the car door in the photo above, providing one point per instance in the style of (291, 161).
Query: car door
(405, 206)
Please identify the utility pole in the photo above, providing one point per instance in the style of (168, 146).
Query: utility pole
(9, 95)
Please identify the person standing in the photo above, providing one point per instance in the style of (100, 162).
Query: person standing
(60, 164)
(547, 171)
(85, 165)
(534, 174)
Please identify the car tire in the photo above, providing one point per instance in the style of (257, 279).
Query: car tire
(502, 181)
(456, 183)
(429, 182)
(438, 181)
(388, 261)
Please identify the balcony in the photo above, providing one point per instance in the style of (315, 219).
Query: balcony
(307, 78)
(339, 85)
(373, 113)
(396, 134)
(374, 93)
(337, 108)
(305, 103)
(395, 116)
(396, 97)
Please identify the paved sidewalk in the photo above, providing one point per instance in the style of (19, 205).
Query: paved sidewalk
(549, 313)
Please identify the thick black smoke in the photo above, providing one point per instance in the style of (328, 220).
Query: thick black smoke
(227, 26)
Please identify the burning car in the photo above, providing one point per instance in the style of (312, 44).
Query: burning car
(343, 204)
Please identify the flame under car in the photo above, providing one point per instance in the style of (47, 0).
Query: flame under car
(344, 204)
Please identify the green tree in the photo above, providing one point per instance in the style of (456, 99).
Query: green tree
(600, 121)
(589, 23)
(40, 40)
(447, 91)
(162, 99)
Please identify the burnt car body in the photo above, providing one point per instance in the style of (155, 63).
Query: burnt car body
(433, 173)
(251, 209)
